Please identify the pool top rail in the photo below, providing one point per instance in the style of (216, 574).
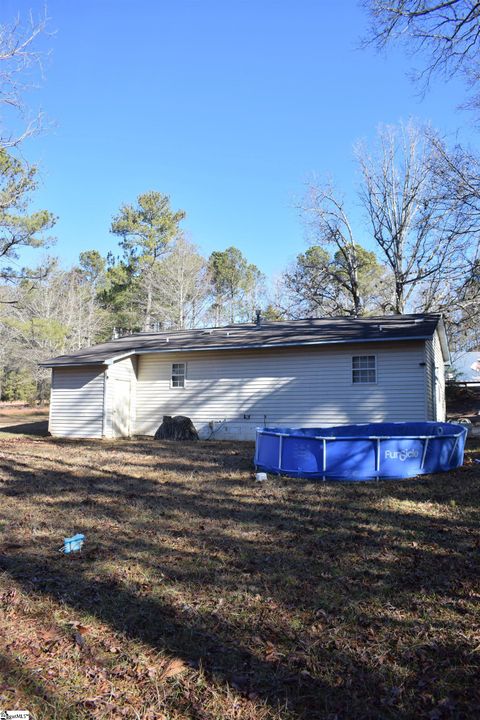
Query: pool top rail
(361, 452)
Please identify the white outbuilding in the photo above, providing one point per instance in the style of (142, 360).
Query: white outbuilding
(231, 380)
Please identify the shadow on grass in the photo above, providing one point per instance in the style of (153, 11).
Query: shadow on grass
(165, 628)
(39, 428)
(329, 574)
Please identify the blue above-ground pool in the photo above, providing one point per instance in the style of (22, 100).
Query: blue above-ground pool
(361, 452)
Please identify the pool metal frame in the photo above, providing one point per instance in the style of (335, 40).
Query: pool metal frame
(378, 438)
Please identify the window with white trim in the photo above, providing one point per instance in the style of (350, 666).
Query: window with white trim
(364, 369)
(179, 373)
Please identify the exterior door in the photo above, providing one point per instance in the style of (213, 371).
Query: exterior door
(121, 408)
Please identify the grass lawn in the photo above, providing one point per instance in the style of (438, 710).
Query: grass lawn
(201, 594)
(23, 420)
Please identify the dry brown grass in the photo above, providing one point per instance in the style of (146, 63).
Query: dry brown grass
(17, 419)
(201, 594)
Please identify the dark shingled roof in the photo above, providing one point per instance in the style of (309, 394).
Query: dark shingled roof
(266, 335)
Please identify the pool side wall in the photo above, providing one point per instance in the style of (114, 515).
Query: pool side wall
(361, 452)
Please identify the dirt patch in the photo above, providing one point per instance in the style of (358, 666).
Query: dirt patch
(203, 595)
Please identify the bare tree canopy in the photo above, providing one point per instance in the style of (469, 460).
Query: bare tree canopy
(20, 70)
(336, 275)
(328, 225)
(457, 171)
(422, 217)
(20, 67)
(421, 235)
(446, 33)
(181, 288)
(38, 325)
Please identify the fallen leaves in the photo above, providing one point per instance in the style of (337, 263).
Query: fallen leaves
(78, 627)
(272, 652)
(204, 598)
(172, 669)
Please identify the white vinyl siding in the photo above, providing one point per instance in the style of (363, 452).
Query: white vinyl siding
(236, 391)
(429, 380)
(439, 379)
(435, 380)
(76, 402)
(123, 371)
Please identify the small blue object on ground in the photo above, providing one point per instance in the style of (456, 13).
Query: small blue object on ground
(73, 544)
(361, 452)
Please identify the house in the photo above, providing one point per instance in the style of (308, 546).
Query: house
(230, 380)
(465, 368)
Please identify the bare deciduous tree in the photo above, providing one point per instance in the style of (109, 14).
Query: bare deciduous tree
(181, 288)
(329, 227)
(457, 179)
(20, 69)
(445, 32)
(457, 172)
(37, 326)
(419, 237)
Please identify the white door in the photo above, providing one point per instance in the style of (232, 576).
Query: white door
(121, 408)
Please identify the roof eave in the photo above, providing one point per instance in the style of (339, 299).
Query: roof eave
(215, 348)
(105, 361)
(420, 338)
(52, 364)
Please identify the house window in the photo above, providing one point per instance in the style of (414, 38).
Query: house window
(178, 374)
(364, 369)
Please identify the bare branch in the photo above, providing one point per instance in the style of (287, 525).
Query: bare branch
(445, 35)
(421, 230)
(21, 68)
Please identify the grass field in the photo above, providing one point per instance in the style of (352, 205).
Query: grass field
(201, 594)
(22, 420)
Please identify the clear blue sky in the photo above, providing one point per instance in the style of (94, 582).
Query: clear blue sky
(228, 106)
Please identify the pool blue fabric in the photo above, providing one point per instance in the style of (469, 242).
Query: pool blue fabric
(361, 452)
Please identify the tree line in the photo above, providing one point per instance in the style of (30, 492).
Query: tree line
(423, 256)
(412, 244)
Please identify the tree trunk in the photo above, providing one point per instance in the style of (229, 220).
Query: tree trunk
(148, 308)
(399, 298)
